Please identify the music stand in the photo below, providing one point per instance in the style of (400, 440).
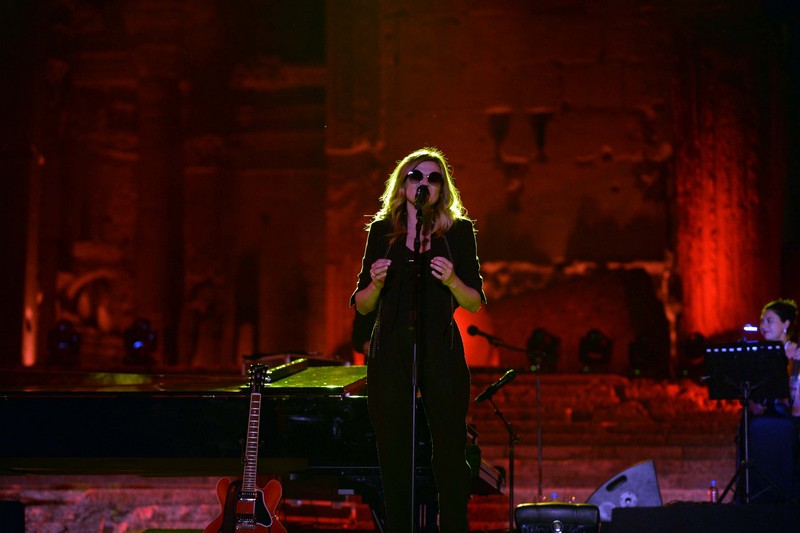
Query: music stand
(747, 371)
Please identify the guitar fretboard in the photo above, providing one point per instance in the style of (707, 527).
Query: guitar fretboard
(251, 446)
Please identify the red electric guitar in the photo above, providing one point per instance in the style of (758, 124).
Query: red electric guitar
(245, 506)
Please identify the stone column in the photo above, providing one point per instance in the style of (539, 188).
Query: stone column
(728, 186)
(355, 178)
(16, 160)
(158, 267)
(27, 123)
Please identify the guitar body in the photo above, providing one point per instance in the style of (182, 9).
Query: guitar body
(247, 512)
(225, 520)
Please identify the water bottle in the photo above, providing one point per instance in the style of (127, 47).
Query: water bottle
(713, 492)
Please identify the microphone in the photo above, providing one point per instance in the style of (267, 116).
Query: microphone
(496, 386)
(473, 330)
(421, 198)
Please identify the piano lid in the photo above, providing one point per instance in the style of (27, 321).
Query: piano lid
(327, 381)
(30, 381)
(293, 378)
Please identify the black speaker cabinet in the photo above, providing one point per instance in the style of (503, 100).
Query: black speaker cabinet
(698, 517)
(773, 459)
(12, 517)
(635, 487)
(554, 517)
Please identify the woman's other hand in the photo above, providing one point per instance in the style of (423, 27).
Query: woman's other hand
(378, 272)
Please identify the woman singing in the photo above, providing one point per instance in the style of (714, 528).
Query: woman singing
(421, 184)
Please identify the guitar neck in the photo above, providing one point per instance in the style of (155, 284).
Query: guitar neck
(251, 445)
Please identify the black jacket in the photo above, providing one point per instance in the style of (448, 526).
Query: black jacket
(438, 304)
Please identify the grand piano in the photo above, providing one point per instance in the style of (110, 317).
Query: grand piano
(315, 434)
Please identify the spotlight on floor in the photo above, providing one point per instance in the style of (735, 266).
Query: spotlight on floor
(63, 344)
(692, 357)
(595, 351)
(647, 358)
(543, 350)
(140, 343)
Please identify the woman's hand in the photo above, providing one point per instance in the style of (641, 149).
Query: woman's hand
(367, 298)
(792, 350)
(378, 272)
(466, 296)
(757, 408)
(442, 269)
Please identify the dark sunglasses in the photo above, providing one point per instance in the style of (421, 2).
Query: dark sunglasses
(415, 176)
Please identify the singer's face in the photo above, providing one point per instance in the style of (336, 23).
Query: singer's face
(426, 167)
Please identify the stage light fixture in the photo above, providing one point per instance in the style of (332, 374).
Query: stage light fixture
(692, 356)
(140, 343)
(595, 351)
(543, 350)
(64, 344)
(646, 359)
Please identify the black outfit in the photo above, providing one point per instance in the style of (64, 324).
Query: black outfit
(362, 330)
(442, 373)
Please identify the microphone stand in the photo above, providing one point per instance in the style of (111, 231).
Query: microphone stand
(415, 324)
(537, 355)
(538, 363)
(513, 438)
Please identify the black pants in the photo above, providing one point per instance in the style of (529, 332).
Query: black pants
(444, 383)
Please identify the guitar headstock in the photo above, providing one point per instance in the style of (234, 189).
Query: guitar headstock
(258, 375)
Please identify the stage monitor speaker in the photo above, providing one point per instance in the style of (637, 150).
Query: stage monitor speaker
(635, 487)
(553, 517)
